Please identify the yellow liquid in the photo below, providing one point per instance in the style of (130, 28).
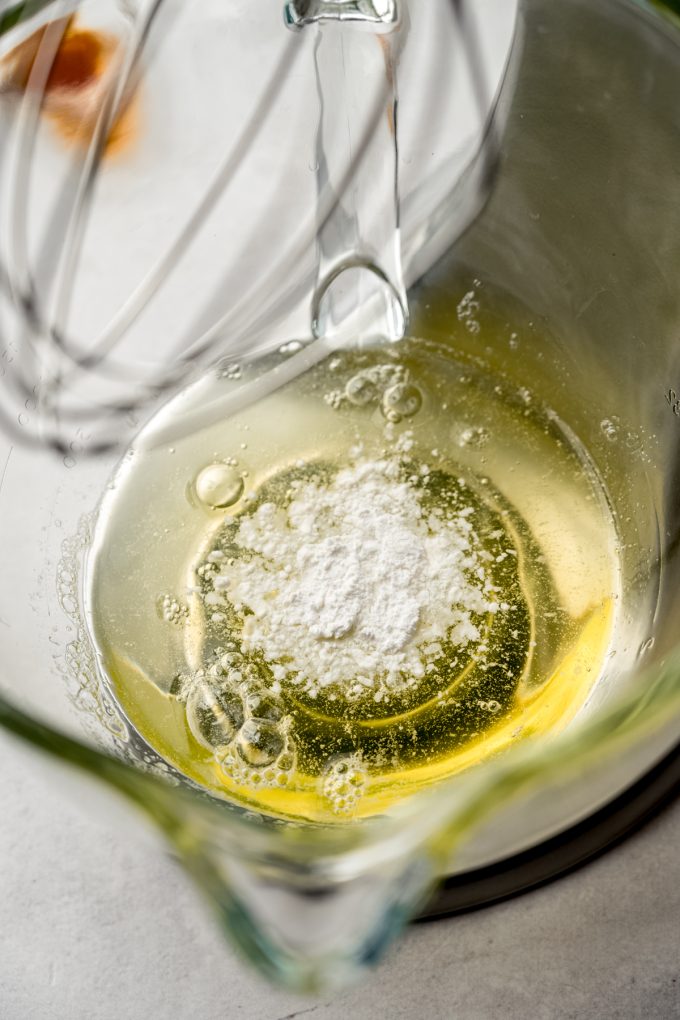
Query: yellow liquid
(540, 518)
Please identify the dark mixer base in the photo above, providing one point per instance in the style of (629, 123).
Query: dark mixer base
(560, 854)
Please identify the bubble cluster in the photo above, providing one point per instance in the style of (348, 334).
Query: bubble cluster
(231, 371)
(474, 436)
(230, 713)
(490, 706)
(171, 610)
(343, 784)
(467, 310)
(218, 486)
(389, 386)
(610, 430)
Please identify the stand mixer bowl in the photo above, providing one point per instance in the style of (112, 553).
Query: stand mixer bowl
(582, 227)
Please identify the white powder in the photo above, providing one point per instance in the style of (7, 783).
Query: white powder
(354, 583)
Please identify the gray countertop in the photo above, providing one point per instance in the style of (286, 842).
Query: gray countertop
(96, 925)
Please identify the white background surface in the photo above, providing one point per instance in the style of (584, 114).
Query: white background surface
(97, 926)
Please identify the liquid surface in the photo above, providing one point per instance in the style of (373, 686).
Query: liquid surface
(240, 715)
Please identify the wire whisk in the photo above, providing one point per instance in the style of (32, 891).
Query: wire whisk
(111, 295)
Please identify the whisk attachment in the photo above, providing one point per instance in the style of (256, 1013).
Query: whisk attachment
(79, 375)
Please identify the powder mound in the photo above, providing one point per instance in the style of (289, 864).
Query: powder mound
(353, 583)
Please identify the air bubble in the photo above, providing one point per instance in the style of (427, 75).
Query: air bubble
(493, 707)
(218, 486)
(230, 660)
(263, 706)
(259, 742)
(292, 347)
(213, 715)
(402, 400)
(360, 390)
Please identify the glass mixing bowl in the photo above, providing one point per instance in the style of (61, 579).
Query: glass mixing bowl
(582, 227)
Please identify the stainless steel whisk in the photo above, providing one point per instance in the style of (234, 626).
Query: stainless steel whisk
(83, 394)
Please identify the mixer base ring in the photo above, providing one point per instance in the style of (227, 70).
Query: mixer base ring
(563, 853)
